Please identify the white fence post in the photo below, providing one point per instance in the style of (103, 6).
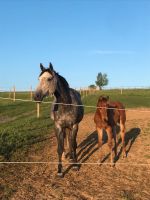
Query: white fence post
(31, 93)
(121, 91)
(38, 110)
(14, 93)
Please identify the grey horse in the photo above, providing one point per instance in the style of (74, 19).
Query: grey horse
(67, 111)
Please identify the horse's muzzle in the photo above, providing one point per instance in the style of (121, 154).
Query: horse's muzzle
(38, 96)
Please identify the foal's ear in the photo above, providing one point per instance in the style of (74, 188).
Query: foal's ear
(42, 67)
(100, 98)
(51, 67)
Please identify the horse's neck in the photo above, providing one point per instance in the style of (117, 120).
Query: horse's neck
(60, 101)
(60, 98)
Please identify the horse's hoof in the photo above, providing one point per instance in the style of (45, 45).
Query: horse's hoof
(60, 175)
(76, 167)
(63, 157)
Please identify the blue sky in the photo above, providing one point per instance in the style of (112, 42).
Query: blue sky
(80, 37)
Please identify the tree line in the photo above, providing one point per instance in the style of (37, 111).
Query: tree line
(101, 81)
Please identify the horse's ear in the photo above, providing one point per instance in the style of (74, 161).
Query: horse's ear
(51, 67)
(42, 67)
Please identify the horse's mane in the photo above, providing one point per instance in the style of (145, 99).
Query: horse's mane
(63, 81)
(64, 88)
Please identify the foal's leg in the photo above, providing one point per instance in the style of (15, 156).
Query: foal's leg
(115, 139)
(122, 128)
(100, 141)
(60, 149)
(110, 136)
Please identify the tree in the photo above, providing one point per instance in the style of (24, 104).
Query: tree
(93, 87)
(102, 80)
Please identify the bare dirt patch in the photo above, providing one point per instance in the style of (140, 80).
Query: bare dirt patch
(129, 179)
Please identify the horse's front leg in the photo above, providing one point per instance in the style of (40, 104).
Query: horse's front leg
(60, 149)
(74, 145)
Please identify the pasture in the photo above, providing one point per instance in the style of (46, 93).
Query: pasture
(26, 138)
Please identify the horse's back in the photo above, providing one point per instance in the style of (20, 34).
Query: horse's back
(119, 111)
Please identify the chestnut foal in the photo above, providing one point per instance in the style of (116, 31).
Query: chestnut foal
(107, 116)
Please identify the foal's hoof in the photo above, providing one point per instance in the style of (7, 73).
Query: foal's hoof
(124, 155)
(60, 175)
(71, 160)
(99, 162)
(112, 164)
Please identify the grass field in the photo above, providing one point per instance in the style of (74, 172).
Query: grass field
(19, 126)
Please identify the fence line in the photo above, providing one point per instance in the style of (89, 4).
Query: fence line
(12, 92)
(83, 91)
(81, 105)
(79, 163)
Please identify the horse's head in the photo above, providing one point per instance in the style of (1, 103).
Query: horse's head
(103, 107)
(47, 83)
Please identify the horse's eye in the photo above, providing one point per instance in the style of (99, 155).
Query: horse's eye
(49, 79)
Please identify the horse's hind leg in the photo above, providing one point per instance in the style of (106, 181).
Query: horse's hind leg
(122, 128)
(65, 152)
(60, 149)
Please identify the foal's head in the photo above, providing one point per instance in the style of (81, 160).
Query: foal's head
(102, 106)
(47, 83)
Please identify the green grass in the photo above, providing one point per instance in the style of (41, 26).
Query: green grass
(130, 98)
(19, 126)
